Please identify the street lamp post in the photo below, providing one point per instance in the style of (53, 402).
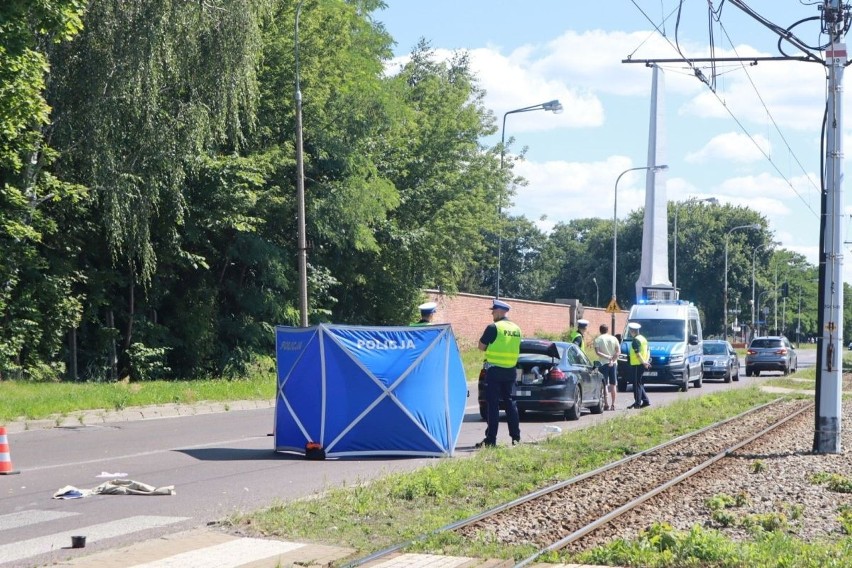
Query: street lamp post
(597, 292)
(615, 227)
(712, 200)
(753, 271)
(728, 234)
(553, 106)
(300, 186)
(760, 297)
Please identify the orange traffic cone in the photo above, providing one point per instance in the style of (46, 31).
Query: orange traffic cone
(5, 456)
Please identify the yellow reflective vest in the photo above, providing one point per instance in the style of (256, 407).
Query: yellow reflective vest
(643, 349)
(503, 351)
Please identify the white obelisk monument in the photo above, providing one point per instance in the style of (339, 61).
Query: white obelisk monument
(654, 283)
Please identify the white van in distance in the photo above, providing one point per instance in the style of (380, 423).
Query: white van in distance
(673, 331)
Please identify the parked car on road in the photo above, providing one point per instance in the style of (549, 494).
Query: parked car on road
(720, 361)
(771, 353)
(552, 376)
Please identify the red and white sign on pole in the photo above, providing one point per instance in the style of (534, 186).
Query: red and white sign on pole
(836, 51)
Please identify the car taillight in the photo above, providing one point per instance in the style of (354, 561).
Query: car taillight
(751, 352)
(782, 351)
(556, 375)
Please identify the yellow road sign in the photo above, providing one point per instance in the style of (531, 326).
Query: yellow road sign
(612, 307)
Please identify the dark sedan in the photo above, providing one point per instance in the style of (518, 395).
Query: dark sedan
(552, 376)
(720, 361)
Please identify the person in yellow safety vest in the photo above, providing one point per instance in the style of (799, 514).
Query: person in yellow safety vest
(427, 313)
(501, 342)
(640, 359)
(578, 336)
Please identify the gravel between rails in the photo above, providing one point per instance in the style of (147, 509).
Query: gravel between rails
(781, 483)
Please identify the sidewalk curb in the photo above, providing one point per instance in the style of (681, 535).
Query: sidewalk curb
(103, 416)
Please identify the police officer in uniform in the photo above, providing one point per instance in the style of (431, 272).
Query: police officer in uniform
(640, 359)
(578, 336)
(427, 313)
(501, 342)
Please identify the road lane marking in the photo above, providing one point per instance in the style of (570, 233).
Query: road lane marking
(93, 533)
(148, 453)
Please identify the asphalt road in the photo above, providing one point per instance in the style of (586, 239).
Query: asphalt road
(219, 464)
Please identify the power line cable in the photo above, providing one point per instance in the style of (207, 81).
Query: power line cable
(700, 75)
(768, 113)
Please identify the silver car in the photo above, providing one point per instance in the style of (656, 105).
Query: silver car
(720, 361)
(771, 353)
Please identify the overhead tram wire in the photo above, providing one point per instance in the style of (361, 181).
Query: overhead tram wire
(768, 113)
(656, 27)
(787, 35)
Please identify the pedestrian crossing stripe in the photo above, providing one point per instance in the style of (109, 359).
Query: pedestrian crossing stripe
(225, 555)
(56, 541)
(25, 518)
(423, 561)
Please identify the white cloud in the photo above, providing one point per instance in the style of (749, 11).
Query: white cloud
(711, 152)
(512, 82)
(732, 147)
(764, 94)
(594, 59)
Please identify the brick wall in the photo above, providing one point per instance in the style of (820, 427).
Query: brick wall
(470, 313)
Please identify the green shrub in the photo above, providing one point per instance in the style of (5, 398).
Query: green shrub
(795, 511)
(743, 499)
(767, 522)
(845, 518)
(720, 501)
(147, 363)
(724, 518)
(833, 482)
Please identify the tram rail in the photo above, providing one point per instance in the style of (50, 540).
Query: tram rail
(676, 461)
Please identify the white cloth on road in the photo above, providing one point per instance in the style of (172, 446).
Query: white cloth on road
(114, 487)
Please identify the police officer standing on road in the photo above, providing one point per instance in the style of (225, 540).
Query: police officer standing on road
(501, 342)
(427, 313)
(578, 336)
(640, 359)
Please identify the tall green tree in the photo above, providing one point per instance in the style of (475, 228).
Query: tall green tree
(37, 302)
(444, 185)
(139, 102)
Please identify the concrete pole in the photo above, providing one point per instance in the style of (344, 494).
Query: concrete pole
(830, 351)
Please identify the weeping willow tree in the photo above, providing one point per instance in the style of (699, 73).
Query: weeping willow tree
(140, 97)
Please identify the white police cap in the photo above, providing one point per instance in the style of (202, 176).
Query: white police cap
(582, 322)
(634, 325)
(500, 305)
(428, 308)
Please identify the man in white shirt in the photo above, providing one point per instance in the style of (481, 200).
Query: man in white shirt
(607, 348)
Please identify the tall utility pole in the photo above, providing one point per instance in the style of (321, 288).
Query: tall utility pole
(835, 16)
(300, 185)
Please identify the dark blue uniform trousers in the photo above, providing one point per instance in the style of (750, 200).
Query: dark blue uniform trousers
(500, 385)
(639, 396)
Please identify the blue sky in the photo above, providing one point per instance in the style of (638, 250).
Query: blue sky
(754, 142)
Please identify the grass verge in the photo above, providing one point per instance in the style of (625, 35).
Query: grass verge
(398, 507)
(36, 400)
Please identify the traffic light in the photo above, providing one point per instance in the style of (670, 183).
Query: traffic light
(785, 290)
